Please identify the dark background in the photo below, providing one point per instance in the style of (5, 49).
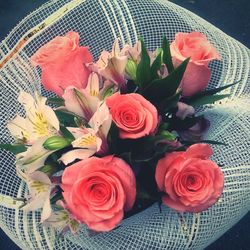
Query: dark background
(231, 16)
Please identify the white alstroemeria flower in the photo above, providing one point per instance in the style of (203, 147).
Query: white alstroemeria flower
(101, 123)
(39, 186)
(40, 121)
(88, 141)
(32, 159)
(62, 220)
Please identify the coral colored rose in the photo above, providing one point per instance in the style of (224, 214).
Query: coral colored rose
(196, 46)
(191, 182)
(98, 190)
(62, 61)
(133, 115)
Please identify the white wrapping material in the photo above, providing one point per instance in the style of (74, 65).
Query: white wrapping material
(99, 22)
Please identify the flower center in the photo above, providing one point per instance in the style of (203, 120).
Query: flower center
(40, 125)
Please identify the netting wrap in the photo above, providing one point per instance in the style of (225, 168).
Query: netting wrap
(98, 22)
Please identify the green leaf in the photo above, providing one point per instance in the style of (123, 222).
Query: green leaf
(143, 68)
(156, 66)
(189, 143)
(14, 148)
(211, 91)
(113, 137)
(168, 135)
(107, 91)
(56, 100)
(67, 118)
(67, 134)
(170, 102)
(141, 193)
(58, 196)
(207, 100)
(48, 169)
(176, 123)
(167, 58)
(160, 89)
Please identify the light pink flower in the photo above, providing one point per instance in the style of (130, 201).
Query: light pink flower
(32, 159)
(112, 65)
(89, 141)
(196, 46)
(191, 182)
(98, 190)
(62, 61)
(39, 186)
(85, 102)
(133, 115)
(184, 110)
(132, 52)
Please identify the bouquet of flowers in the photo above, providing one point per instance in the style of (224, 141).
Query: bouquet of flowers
(122, 133)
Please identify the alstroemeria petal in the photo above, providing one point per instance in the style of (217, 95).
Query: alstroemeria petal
(46, 210)
(34, 157)
(78, 132)
(76, 154)
(26, 100)
(39, 186)
(88, 141)
(51, 117)
(93, 85)
(17, 128)
(40, 120)
(80, 102)
(58, 219)
(100, 116)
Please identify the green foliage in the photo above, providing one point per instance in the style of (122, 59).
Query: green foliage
(167, 58)
(176, 123)
(143, 76)
(68, 119)
(156, 65)
(207, 100)
(67, 134)
(14, 148)
(56, 101)
(208, 96)
(189, 143)
(161, 89)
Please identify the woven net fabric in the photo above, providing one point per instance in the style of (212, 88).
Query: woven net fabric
(99, 22)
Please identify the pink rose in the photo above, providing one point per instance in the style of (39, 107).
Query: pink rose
(196, 46)
(62, 61)
(133, 115)
(191, 181)
(98, 190)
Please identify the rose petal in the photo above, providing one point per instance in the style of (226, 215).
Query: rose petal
(199, 150)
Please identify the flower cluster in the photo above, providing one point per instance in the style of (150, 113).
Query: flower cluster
(122, 134)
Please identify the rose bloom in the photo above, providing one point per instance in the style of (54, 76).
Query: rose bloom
(98, 190)
(191, 182)
(196, 46)
(133, 115)
(63, 61)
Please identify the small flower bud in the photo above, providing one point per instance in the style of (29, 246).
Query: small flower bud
(131, 69)
(56, 142)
